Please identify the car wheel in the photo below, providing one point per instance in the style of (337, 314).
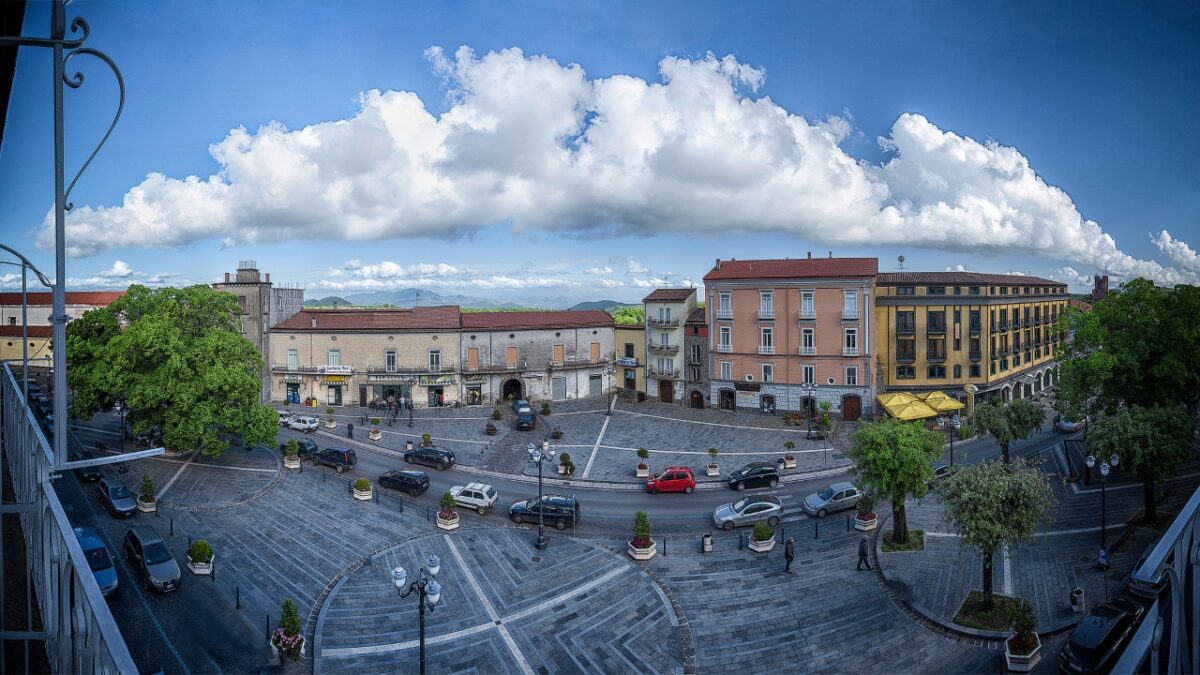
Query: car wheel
(481, 510)
(741, 487)
(727, 525)
(407, 459)
(518, 519)
(653, 490)
(821, 513)
(315, 461)
(687, 490)
(560, 525)
(441, 466)
(341, 469)
(773, 521)
(414, 492)
(774, 482)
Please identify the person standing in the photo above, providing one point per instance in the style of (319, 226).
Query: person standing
(350, 430)
(863, 554)
(789, 553)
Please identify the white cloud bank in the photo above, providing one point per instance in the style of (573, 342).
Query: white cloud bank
(531, 142)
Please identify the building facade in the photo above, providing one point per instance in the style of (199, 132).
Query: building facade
(552, 356)
(631, 360)
(38, 310)
(790, 334)
(944, 330)
(666, 310)
(695, 362)
(263, 305)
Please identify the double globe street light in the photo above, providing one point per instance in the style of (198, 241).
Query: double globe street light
(428, 590)
(1105, 468)
(539, 457)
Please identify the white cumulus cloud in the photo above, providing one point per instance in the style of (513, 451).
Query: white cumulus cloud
(1178, 252)
(599, 271)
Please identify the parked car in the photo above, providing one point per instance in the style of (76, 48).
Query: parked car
(306, 447)
(151, 438)
(940, 470)
(98, 559)
(479, 496)
(42, 404)
(748, 511)
(412, 482)
(340, 459)
(439, 458)
(284, 416)
(150, 558)
(672, 479)
(754, 474)
(836, 497)
(117, 498)
(1096, 642)
(525, 417)
(1069, 427)
(303, 423)
(556, 510)
(89, 474)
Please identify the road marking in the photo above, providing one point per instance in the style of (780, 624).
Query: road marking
(595, 447)
(721, 453)
(1008, 588)
(487, 606)
(163, 490)
(212, 466)
(711, 424)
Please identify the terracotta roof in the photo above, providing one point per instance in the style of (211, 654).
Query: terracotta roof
(399, 320)
(697, 316)
(97, 298)
(34, 331)
(630, 326)
(793, 268)
(669, 295)
(961, 279)
(568, 318)
(1080, 305)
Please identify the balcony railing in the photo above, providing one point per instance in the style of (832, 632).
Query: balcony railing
(808, 351)
(578, 362)
(374, 369)
(974, 357)
(849, 351)
(659, 348)
(936, 328)
(663, 323)
(849, 314)
(766, 314)
(724, 313)
(808, 315)
(665, 373)
(935, 358)
(905, 329)
(502, 367)
(766, 349)
(974, 328)
(725, 349)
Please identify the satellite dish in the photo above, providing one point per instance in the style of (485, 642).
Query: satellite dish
(901, 259)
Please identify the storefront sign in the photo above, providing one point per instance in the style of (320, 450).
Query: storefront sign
(335, 379)
(746, 386)
(473, 381)
(626, 361)
(391, 378)
(334, 370)
(436, 380)
(293, 378)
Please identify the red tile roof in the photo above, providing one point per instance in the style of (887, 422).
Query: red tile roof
(961, 279)
(34, 331)
(793, 268)
(397, 320)
(97, 298)
(697, 317)
(669, 295)
(577, 318)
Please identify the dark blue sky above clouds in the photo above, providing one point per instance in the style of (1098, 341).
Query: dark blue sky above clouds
(587, 150)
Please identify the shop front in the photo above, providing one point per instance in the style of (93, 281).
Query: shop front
(391, 390)
(292, 385)
(437, 388)
(474, 387)
(335, 384)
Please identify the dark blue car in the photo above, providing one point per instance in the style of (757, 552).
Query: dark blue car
(98, 559)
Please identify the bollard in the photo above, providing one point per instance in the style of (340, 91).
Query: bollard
(847, 523)
(189, 544)
(664, 546)
(238, 604)
(375, 496)
(155, 512)
(816, 528)
(322, 476)
(401, 499)
(706, 543)
(268, 627)
(741, 545)
(427, 516)
(213, 575)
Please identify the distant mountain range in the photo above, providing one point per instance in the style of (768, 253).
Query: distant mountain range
(603, 305)
(416, 297)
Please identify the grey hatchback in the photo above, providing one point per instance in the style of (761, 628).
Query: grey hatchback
(836, 497)
(147, 553)
(748, 511)
(117, 498)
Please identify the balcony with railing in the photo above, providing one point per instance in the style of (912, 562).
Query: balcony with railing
(664, 373)
(724, 313)
(849, 351)
(501, 367)
(936, 327)
(578, 362)
(808, 351)
(850, 314)
(808, 315)
(404, 369)
(766, 349)
(661, 348)
(724, 349)
(905, 329)
(766, 314)
(323, 369)
(663, 323)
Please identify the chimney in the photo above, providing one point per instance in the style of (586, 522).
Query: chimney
(227, 277)
(810, 255)
(314, 322)
(831, 255)
(268, 277)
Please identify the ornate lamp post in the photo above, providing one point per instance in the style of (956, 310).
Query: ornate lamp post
(540, 457)
(428, 590)
(1105, 468)
(810, 390)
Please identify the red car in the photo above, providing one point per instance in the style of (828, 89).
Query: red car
(673, 479)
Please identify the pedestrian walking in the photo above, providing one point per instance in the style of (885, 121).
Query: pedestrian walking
(789, 553)
(350, 430)
(863, 553)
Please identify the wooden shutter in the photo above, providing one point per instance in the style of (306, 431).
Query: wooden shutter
(558, 354)
(595, 352)
(472, 357)
(510, 356)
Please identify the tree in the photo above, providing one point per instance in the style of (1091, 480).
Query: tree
(176, 357)
(1008, 422)
(993, 504)
(628, 314)
(892, 459)
(1150, 442)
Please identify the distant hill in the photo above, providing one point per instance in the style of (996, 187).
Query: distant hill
(331, 301)
(604, 305)
(415, 297)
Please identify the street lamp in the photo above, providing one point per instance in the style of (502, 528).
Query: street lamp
(950, 430)
(539, 457)
(1105, 468)
(809, 390)
(429, 592)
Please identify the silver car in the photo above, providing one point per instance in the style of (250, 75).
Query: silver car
(748, 511)
(303, 423)
(836, 497)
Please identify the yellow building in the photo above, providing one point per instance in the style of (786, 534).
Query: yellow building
(631, 357)
(944, 330)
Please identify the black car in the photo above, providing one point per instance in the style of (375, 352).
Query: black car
(412, 482)
(555, 510)
(1096, 642)
(90, 474)
(439, 458)
(340, 459)
(754, 474)
(306, 447)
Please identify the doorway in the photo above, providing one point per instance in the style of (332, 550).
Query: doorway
(595, 385)
(362, 395)
(436, 397)
(335, 394)
(728, 400)
(513, 390)
(666, 391)
(767, 404)
(851, 407)
(696, 400)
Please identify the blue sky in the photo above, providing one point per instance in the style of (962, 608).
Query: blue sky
(594, 150)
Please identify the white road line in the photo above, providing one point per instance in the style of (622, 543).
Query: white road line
(1052, 533)
(487, 606)
(591, 458)
(163, 490)
(712, 424)
(1008, 588)
(722, 452)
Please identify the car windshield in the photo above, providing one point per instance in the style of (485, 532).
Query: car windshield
(491, 492)
(738, 505)
(119, 491)
(98, 559)
(157, 553)
(826, 494)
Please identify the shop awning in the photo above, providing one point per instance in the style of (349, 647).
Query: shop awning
(941, 402)
(914, 410)
(895, 398)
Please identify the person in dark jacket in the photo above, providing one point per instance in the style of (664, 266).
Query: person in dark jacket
(863, 553)
(350, 430)
(789, 553)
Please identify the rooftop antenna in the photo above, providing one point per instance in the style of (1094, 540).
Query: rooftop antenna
(901, 259)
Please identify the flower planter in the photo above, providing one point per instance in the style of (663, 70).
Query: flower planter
(276, 657)
(1022, 663)
(147, 507)
(714, 469)
(202, 568)
(1078, 600)
(450, 523)
(865, 523)
(291, 462)
(362, 495)
(375, 435)
(331, 424)
(643, 471)
(789, 462)
(640, 553)
(762, 546)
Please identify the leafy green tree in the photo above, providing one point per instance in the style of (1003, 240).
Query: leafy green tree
(628, 314)
(176, 357)
(1150, 442)
(1008, 422)
(994, 504)
(893, 459)
(641, 530)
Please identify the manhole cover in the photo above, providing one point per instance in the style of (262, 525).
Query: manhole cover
(537, 558)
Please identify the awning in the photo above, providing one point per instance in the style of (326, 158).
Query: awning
(941, 402)
(915, 410)
(894, 398)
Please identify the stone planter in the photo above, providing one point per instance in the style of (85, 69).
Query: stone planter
(646, 553)
(202, 568)
(331, 424)
(643, 471)
(147, 507)
(362, 495)
(714, 469)
(865, 523)
(276, 658)
(291, 462)
(789, 462)
(1078, 600)
(1023, 663)
(762, 546)
(447, 523)
(375, 435)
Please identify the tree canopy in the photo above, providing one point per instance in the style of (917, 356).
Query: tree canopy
(1150, 442)
(176, 358)
(1007, 422)
(892, 459)
(628, 314)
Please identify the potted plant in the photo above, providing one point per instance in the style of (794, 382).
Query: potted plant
(565, 466)
(641, 547)
(1023, 649)
(866, 520)
(545, 407)
(291, 454)
(287, 642)
(643, 469)
(489, 429)
(146, 501)
(362, 489)
(447, 517)
(375, 434)
(714, 469)
(200, 557)
(426, 440)
(556, 434)
(331, 423)
(789, 460)
(762, 538)
(496, 414)
(1078, 600)
(825, 424)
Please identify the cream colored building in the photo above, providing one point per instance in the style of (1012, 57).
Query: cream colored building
(631, 357)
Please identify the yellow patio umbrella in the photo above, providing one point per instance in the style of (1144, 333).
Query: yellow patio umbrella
(894, 398)
(914, 410)
(941, 402)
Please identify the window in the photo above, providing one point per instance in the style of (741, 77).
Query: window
(906, 322)
(807, 341)
(510, 356)
(973, 318)
(973, 347)
(1004, 319)
(974, 290)
(725, 306)
(293, 359)
(389, 360)
(993, 368)
(435, 359)
(850, 341)
(12, 320)
(809, 374)
(766, 303)
(768, 372)
(936, 348)
(335, 357)
(957, 371)
(906, 349)
(852, 376)
(935, 321)
(1004, 290)
(666, 365)
(726, 370)
(807, 306)
(767, 337)
(850, 304)
(726, 335)
(958, 344)
(629, 354)
(935, 290)
(958, 316)
(937, 372)
(906, 290)
(242, 324)
(958, 290)
(906, 373)
(664, 314)
(974, 370)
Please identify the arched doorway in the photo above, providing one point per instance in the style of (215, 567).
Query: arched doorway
(666, 391)
(1004, 394)
(1037, 383)
(513, 389)
(696, 399)
(851, 407)
(728, 399)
